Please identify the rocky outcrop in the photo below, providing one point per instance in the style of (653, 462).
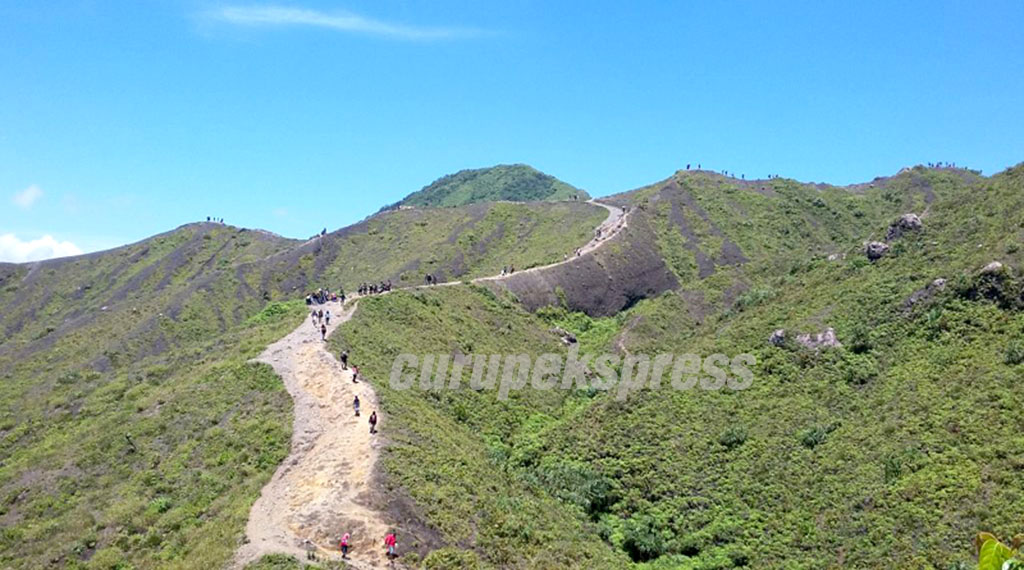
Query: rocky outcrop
(826, 339)
(875, 250)
(906, 223)
(566, 337)
(993, 268)
(925, 293)
(813, 341)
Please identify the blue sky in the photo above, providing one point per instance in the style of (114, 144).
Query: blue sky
(119, 120)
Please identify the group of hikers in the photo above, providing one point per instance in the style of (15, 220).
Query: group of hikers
(390, 544)
(508, 270)
(374, 288)
(373, 415)
(215, 220)
(343, 357)
(320, 321)
(345, 544)
(722, 172)
(321, 296)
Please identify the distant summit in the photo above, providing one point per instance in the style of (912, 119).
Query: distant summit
(511, 182)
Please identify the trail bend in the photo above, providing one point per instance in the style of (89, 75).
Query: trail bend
(324, 487)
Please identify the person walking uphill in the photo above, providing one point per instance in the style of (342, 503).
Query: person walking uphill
(344, 360)
(373, 422)
(355, 405)
(391, 543)
(323, 332)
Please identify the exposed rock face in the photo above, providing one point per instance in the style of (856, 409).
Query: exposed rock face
(925, 293)
(906, 223)
(624, 270)
(994, 268)
(778, 337)
(875, 250)
(826, 339)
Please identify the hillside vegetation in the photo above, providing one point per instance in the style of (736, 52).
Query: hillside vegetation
(891, 450)
(505, 182)
(134, 433)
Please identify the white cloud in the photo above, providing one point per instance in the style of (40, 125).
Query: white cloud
(27, 197)
(341, 21)
(46, 247)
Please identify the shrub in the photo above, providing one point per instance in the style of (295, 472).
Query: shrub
(733, 437)
(1014, 353)
(643, 538)
(451, 559)
(814, 436)
(860, 339)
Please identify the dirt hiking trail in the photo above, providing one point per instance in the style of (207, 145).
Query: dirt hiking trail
(324, 487)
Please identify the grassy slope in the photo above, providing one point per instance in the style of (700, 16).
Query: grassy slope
(703, 221)
(922, 444)
(509, 182)
(209, 430)
(152, 340)
(454, 452)
(891, 451)
(452, 243)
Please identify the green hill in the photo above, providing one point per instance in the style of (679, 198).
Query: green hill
(891, 450)
(506, 182)
(135, 433)
(133, 428)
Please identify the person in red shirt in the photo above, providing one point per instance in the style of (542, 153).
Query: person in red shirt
(391, 542)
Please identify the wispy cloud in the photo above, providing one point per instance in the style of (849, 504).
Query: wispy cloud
(27, 197)
(14, 249)
(340, 21)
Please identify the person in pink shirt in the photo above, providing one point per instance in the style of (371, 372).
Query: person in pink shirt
(344, 545)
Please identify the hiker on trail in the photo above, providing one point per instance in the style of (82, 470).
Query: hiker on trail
(323, 333)
(355, 375)
(344, 360)
(313, 317)
(373, 422)
(321, 314)
(355, 405)
(327, 316)
(504, 270)
(391, 543)
(344, 543)
(429, 279)
(511, 269)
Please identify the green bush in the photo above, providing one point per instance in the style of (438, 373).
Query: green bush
(452, 559)
(733, 437)
(1014, 353)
